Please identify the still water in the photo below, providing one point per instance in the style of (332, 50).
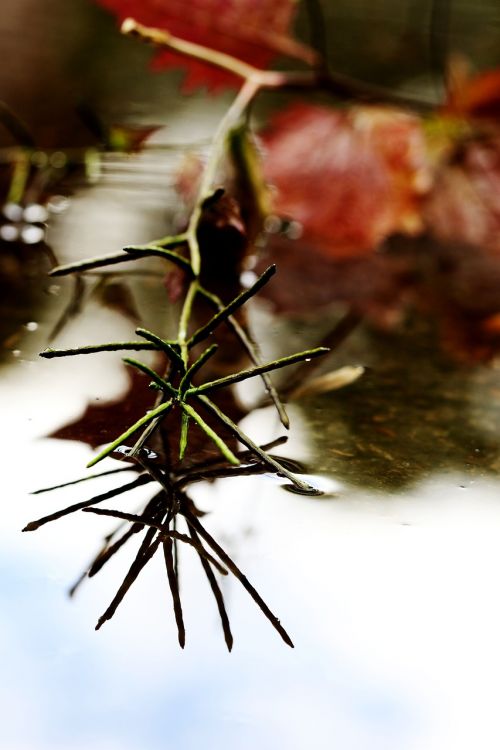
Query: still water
(387, 583)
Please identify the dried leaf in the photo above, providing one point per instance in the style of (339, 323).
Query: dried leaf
(330, 381)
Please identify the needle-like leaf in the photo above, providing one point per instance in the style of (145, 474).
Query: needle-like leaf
(162, 409)
(229, 309)
(253, 372)
(219, 442)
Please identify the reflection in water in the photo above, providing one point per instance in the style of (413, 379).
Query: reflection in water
(395, 625)
(414, 413)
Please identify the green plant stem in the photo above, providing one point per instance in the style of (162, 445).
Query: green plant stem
(265, 457)
(20, 177)
(162, 409)
(121, 346)
(91, 263)
(253, 352)
(229, 309)
(216, 439)
(169, 347)
(160, 382)
(187, 310)
(237, 377)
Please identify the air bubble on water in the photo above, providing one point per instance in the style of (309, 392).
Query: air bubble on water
(16, 353)
(294, 230)
(31, 235)
(35, 213)
(247, 279)
(39, 159)
(58, 203)
(53, 289)
(58, 159)
(272, 224)
(308, 491)
(9, 233)
(12, 211)
(31, 326)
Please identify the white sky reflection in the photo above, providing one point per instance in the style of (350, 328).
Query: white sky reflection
(391, 602)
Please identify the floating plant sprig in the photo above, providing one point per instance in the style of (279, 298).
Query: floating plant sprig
(178, 393)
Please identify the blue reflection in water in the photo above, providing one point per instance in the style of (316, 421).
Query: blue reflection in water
(61, 691)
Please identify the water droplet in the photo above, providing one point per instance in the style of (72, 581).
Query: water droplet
(16, 352)
(58, 203)
(247, 278)
(35, 213)
(9, 233)
(272, 224)
(12, 211)
(31, 326)
(309, 492)
(125, 450)
(58, 159)
(32, 234)
(294, 230)
(39, 159)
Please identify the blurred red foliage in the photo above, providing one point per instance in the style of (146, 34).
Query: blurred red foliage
(254, 31)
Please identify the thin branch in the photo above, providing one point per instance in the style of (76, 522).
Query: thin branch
(84, 479)
(90, 263)
(266, 459)
(135, 346)
(253, 352)
(148, 251)
(230, 308)
(141, 480)
(141, 521)
(195, 367)
(173, 583)
(219, 599)
(146, 551)
(219, 442)
(160, 382)
(228, 562)
(164, 39)
(277, 364)
(169, 347)
(162, 409)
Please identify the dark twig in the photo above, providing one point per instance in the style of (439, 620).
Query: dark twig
(140, 521)
(173, 583)
(228, 562)
(139, 482)
(146, 551)
(121, 346)
(219, 599)
(266, 459)
(84, 479)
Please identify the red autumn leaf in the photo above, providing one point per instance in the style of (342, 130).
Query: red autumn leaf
(464, 206)
(475, 97)
(351, 178)
(254, 31)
